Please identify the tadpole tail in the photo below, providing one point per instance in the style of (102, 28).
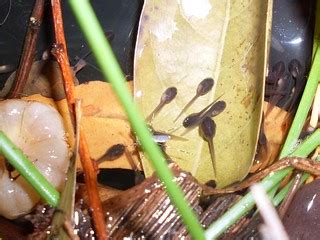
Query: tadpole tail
(186, 131)
(303, 164)
(138, 176)
(213, 156)
(154, 113)
(186, 107)
(174, 129)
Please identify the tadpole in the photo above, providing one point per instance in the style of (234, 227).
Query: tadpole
(81, 62)
(213, 109)
(168, 95)
(296, 71)
(113, 153)
(208, 131)
(217, 108)
(278, 69)
(138, 176)
(203, 88)
(295, 68)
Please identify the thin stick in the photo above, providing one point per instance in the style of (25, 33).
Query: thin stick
(111, 70)
(294, 187)
(29, 48)
(284, 191)
(67, 199)
(245, 204)
(60, 52)
(304, 164)
(28, 170)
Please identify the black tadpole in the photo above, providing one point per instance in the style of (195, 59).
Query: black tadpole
(208, 131)
(217, 108)
(168, 95)
(278, 69)
(203, 88)
(295, 68)
(81, 62)
(213, 109)
(113, 153)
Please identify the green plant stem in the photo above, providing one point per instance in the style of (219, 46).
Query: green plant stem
(316, 37)
(272, 192)
(111, 70)
(304, 106)
(26, 169)
(284, 191)
(245, 204)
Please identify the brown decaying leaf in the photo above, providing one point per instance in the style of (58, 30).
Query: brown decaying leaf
(105, 192)
(276, 125)
(103, 121)
(44, 78)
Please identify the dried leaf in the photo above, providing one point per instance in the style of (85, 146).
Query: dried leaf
(104, 122)
(44, 78)
(276, 125)
(179, 44)
(105, 193)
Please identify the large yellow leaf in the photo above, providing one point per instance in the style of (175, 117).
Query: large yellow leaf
(181, 42)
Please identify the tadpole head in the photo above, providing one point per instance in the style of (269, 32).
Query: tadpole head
(208, 128)
(114, 152)
(262, 140)
(217, 108)
(278, 69)
(168, 95)
(8, 166)
(109, 35)
(191, 120)
(295, 68)
(284, 83)
(205, 86)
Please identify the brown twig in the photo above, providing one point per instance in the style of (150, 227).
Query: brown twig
(297, 180)
(70, 231)
(60, 52)
(29, 48)
(304, 164)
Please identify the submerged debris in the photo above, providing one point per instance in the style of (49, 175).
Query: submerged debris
(144, 211)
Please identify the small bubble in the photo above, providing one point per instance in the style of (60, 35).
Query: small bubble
(147, 191)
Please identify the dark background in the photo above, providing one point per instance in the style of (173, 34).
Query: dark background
(119, 16)
(293, 19)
